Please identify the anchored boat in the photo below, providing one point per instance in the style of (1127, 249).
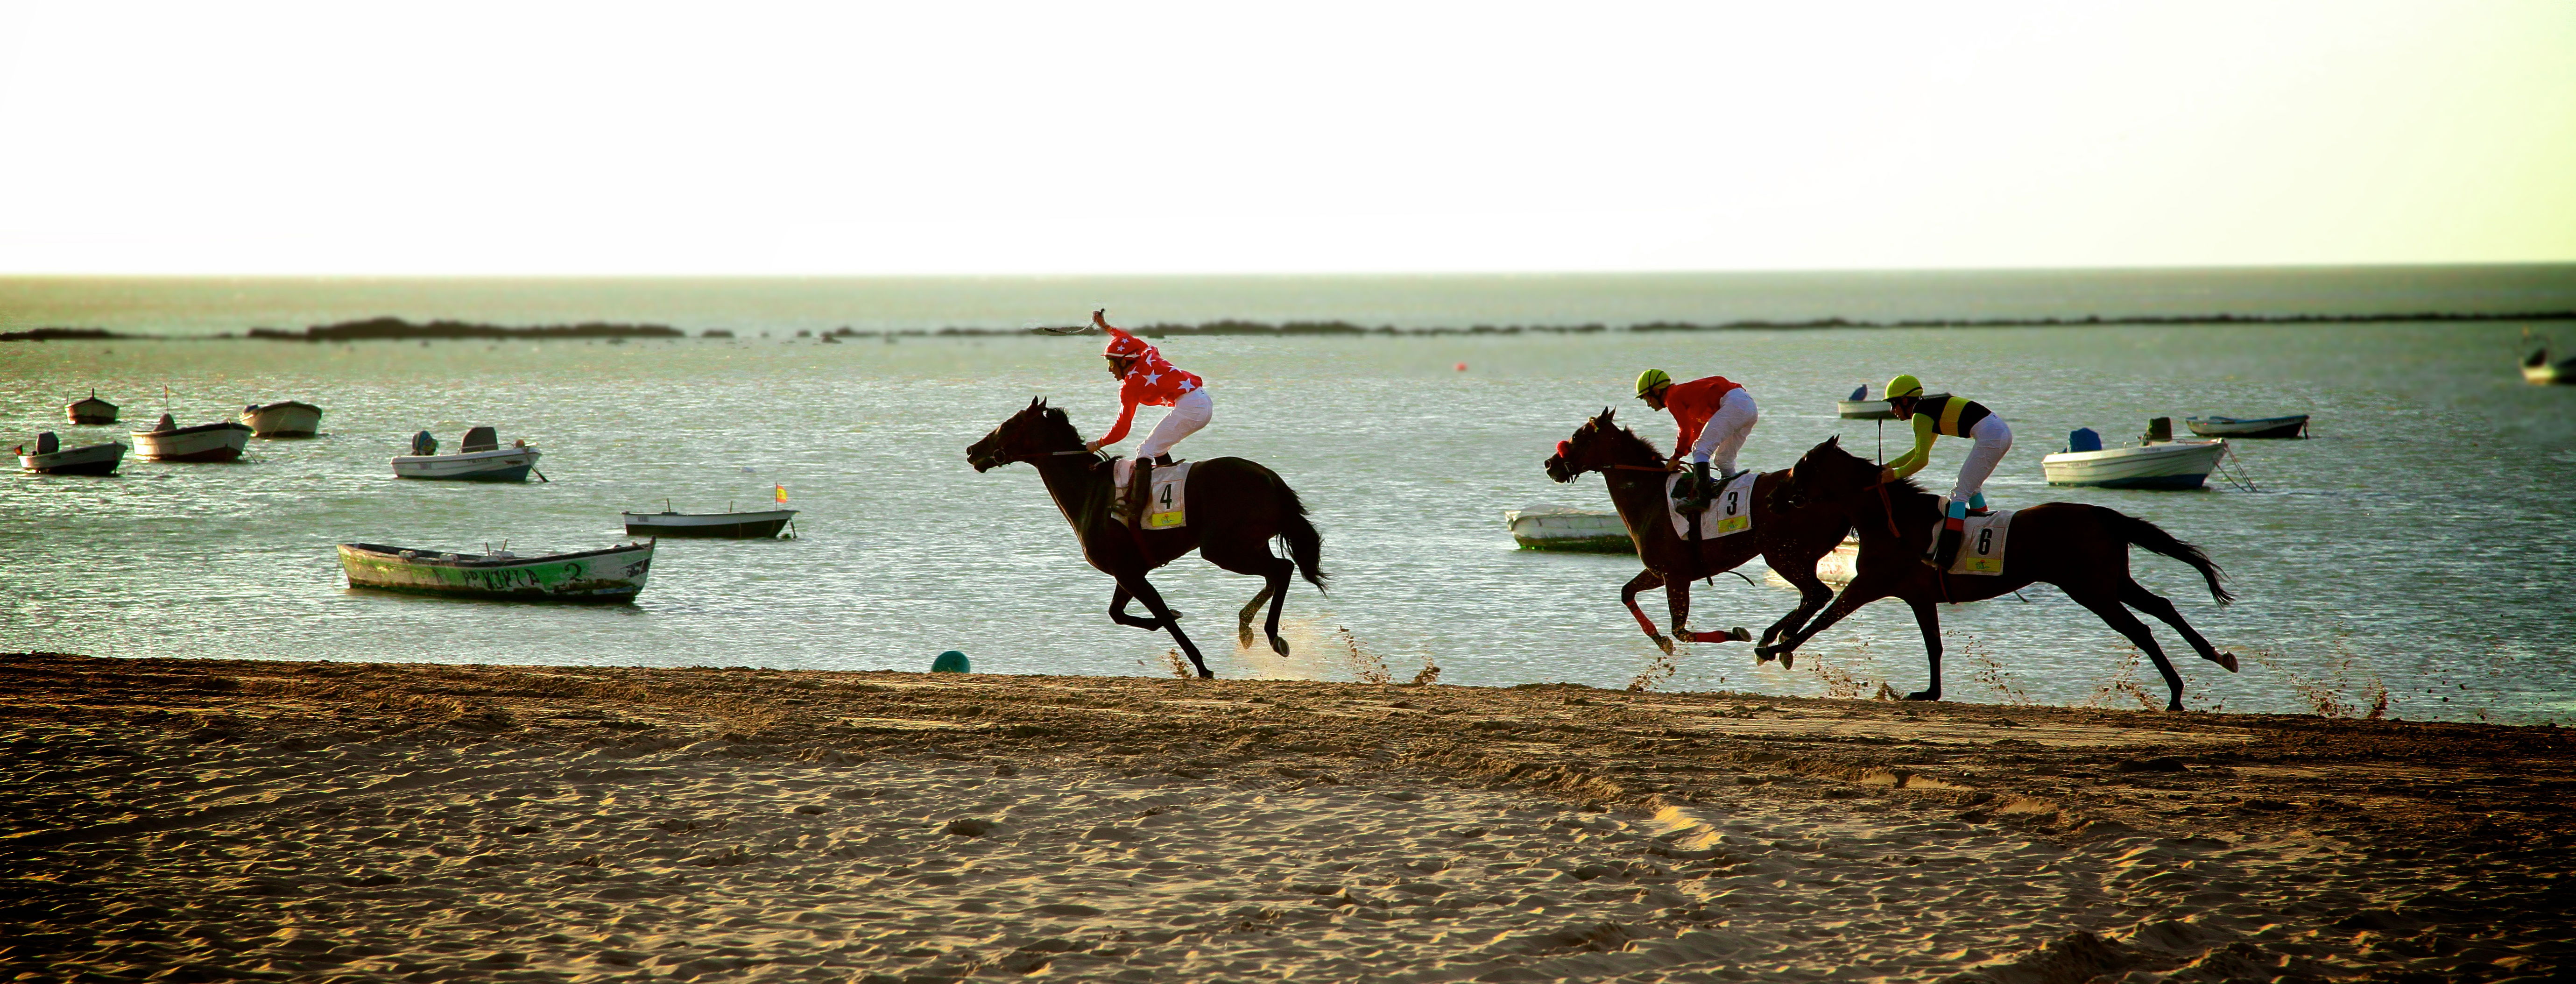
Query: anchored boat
(729, 525)
(2295, 425)
(167, 441)
(2539, 371)
(612, 575)
(90, 411)
(287, 418)
(2158, 463)
(480, 458)
(1548, 526)
(1859, 406)
(51, 458)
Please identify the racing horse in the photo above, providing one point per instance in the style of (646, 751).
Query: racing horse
(2082, 549)
(1235, 507)
(1791, 541)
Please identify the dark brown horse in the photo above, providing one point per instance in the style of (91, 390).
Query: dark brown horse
(1790, 540)
(2082, 549)
(1235, 508)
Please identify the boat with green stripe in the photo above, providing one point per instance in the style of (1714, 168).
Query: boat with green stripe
(612, 575)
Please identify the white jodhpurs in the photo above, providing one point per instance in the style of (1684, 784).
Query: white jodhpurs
(1993, 439)
(1727, 428)
(1189, 413)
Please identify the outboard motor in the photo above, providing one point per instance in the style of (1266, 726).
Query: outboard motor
(2083, 439)
(423, 443)
(47, 443)
(480, 439)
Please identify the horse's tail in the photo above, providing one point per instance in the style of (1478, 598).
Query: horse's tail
(2149, 535)
(1305, 546)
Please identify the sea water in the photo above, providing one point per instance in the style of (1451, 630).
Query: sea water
(2419, 545)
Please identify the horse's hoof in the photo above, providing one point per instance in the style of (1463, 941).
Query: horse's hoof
(1277, 645)
(2174, 706)
(1923, 695)
(1243, 639)
(1207, 674)
(1788, 661)
(2227, 660)
(1664, 644)
(1740, 635)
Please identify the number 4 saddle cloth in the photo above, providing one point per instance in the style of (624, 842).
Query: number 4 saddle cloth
(1729, 513)
(1982, 551)
(1169, 506)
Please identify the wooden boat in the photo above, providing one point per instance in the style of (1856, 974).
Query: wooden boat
(1836, 567)
(2160, 465)
(1860, 407)
(1547, 526)
(167, 441)
(479, 459)
(51, 458)
(2539, 371)
(2295, 425)
(612, 575)
(288, 418)
(90, 411)
(729, 525)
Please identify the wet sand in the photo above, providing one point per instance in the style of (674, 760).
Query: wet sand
(212, 820)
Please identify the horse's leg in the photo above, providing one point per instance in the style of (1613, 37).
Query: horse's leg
(1170, 620)
(1677, 598)
(2119, 619)
(1254, 558)
(1281, 569)
(1859, 592)
(1243, 619)
(1927, 616)
(1812, 595)
(1118, 611)
(2156, 605)
(1646, 580)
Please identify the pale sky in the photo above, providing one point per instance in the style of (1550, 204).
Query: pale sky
(896, 138)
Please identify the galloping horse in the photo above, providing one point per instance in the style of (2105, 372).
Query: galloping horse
(1791, 541)
(2082, 549)
(1235, 508)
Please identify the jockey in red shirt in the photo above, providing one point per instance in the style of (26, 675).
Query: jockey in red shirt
(1143, 377)
(1715, 415)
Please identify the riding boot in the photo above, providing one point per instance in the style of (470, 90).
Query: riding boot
(1702, 492)
(1954, 528)
(1140, 487)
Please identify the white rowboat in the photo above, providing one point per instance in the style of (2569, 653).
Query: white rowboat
(2163, 465)
(497, 465)
(221, 441)
(51, 458)
(284, 419)
(1548, 526)
(728, 525)
(612, 575)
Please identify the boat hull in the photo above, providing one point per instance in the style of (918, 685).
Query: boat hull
(2269, 427)
(288, 419)
(91, 412)
(730, 526)
(1576, 532)
(503, 465)
(196, 445)
(609, 576)
(2172, 465)
(96, 459)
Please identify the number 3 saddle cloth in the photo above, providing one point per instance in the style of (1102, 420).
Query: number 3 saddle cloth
(1729, 512)
(1982, 551)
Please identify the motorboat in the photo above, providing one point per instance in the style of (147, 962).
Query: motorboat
(2539, 371)
(90, 411)
(2158, 462)
(1858, 406)
(479, 458)
(287, 418)
(728, 525)
(52, 458)
(611, 575)
(1548, 526)
(2295, 425)
(167, 441)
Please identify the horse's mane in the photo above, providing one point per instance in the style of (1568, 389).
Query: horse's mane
(1902, 492)
(1615, 432)
(1053, 423)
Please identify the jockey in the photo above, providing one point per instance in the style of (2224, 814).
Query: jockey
(1143, 377)
(1957, 417)
(1714, 415)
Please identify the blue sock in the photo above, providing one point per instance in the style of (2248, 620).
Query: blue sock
(1958, 510)
(1976, 500)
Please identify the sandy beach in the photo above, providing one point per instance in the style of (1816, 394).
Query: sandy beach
(217, 820)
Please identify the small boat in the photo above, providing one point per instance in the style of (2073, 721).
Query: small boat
(90, 411)
(2159, 462)
(1548, 526)
(51, 458)
(612, 575)
(2295, 425)
(728, 525)
(1859, 406)
(479, 458)
(1837, 567)
(167, 441)
(2539, 371)
(288, 418)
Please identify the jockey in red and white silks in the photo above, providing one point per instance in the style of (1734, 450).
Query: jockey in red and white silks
(1143, 378)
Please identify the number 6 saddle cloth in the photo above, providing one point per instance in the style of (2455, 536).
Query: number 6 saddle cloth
(1168, 508)
(1982, 551)
(1731, 512)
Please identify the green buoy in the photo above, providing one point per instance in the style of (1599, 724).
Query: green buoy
(951, 661)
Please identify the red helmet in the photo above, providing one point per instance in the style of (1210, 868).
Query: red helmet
(1124, 346)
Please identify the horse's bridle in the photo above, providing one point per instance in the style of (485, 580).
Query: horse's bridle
(1042, 455)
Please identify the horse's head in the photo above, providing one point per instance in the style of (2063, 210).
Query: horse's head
(1826, 471)
(1036, 430)
(1597, 445)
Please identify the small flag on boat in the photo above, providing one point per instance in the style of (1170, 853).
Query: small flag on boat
(782, 493)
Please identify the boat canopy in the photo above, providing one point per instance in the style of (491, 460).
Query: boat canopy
(480, 439)
(47, 443)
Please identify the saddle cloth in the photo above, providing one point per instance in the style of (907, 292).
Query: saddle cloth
(1982, 551)
(1731, 512)
(1169, 506)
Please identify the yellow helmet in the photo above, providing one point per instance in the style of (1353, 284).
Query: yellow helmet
(1648, 380)
(1903, 385)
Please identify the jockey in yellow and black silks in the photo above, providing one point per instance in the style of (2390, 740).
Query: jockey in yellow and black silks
(1956, 417)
